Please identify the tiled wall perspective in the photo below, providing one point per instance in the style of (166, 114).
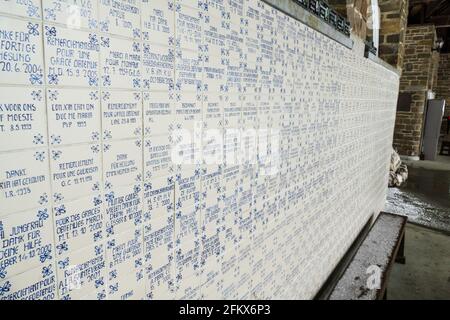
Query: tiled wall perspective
(96, 95)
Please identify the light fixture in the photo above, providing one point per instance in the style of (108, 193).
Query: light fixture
(438, 44)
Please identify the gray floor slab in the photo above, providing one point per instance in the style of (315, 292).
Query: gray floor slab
(426, 274)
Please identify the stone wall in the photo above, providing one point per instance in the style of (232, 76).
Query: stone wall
(418, 67)
(442, 87)
(394, 16)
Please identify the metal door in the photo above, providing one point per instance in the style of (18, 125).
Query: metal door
(432, 128)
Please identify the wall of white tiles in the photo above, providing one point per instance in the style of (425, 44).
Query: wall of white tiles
(92, 95)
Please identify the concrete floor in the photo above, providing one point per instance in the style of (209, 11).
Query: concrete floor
(426, 274)
(425, 199)
(442, 163)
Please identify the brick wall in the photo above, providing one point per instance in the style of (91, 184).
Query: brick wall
(394, 16)
(442, 87)
(419, 67)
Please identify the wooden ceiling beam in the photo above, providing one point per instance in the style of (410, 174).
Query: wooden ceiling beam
(418, 2)
(440, 20)
(435, 7)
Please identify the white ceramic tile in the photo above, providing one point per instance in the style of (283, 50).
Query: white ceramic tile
(158, 21)
(121, 114)
(215, 32)
(228, 284)
(213, 108)
(158, 157)
(212, 187)
(94, 295)
(24, 180)
(211, 244)
(22, 118)
(71, 57)
(231, 150)
(187, 189)
(212, 145)
(27, 241)
(126, 266)
(73, 115)
(120, 63)
(158, 256)
(122, 162)
(188, 70)
(188, 110)
(36, 284)
(232, 111)
(129, 287)
(82, 272)
(123, 208)
(125, 254)
(72, 13)
(120, 17)
(159, 283)
(191, 3)
(22, 40)
(158, 112)
(158, 66)
(75, 171)
(214, 78)
(188, 289)
(188, 25)
(159, 194)
(158, 241)
(30, 9)
(218, 8)
(187, 228)
(187, 254)
(78, 223)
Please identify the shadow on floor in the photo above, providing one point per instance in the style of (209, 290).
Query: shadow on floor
(426, 274)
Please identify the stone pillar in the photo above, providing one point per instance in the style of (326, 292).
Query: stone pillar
(394, 16)
(356, 13)
(417, 78)
(393, 21)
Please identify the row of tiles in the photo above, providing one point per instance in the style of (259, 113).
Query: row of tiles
(81, 115)
(79, 58)
(264, 30)
(156, 19)
(77, 169)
